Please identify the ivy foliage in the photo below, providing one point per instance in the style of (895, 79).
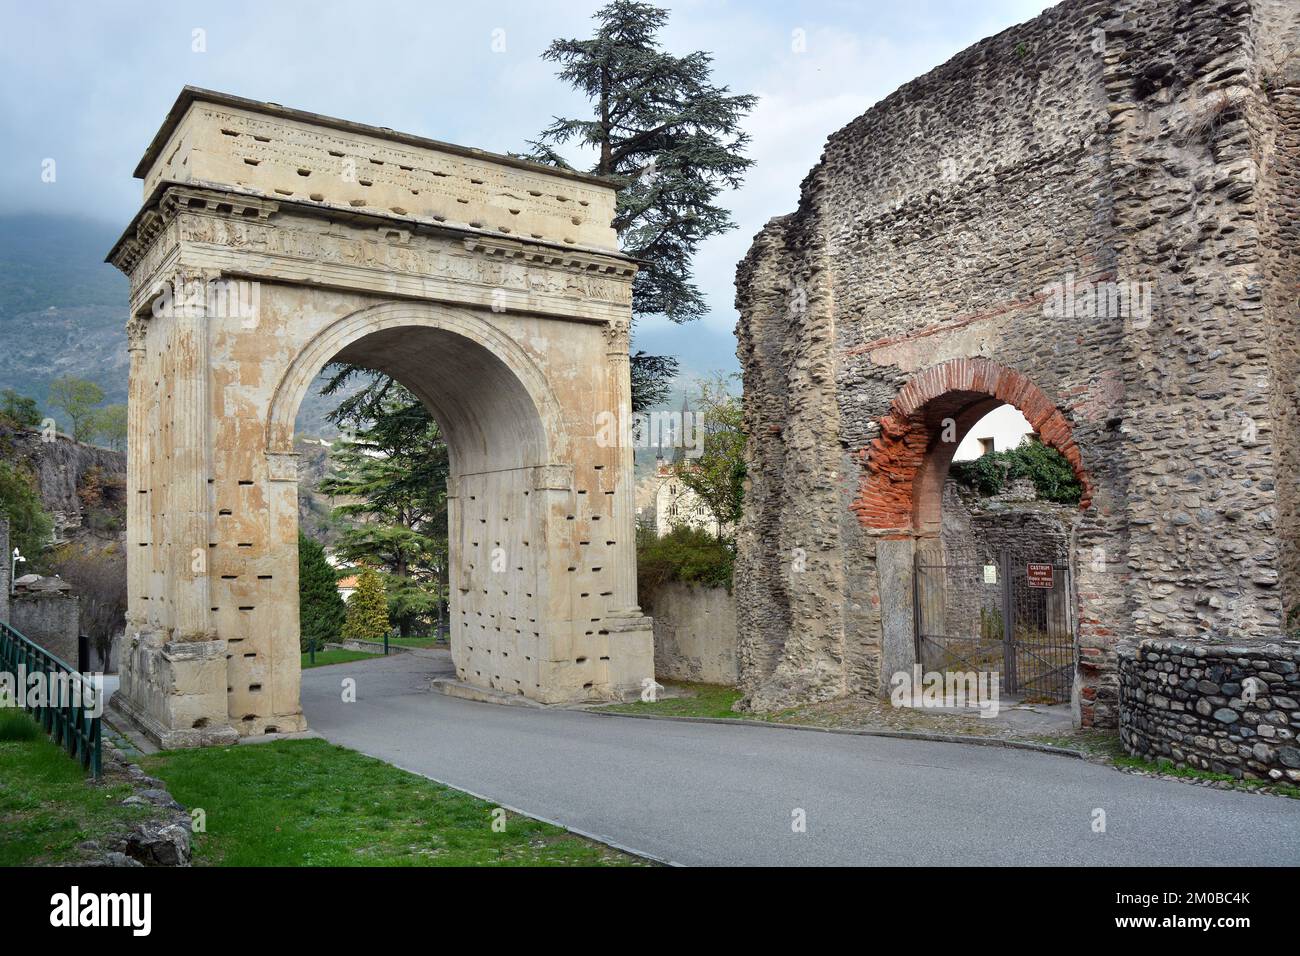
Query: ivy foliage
(1047, 468)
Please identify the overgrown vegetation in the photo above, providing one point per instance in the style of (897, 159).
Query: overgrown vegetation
(1166, 766)
(19, 410)
(688, 555)
(47, 805)
(309, 803)
(1047, 468)
(79, 400)
(30, 526)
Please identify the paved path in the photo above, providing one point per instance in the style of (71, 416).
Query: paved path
(716, 794)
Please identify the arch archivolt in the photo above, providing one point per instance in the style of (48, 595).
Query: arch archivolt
(904, 467)
(334, 339)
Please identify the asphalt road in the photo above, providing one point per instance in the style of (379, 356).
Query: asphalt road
(716, 794)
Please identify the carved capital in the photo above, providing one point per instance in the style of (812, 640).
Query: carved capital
(136, 329)
(281, 466)
(617, 333)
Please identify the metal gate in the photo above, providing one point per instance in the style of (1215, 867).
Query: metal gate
(1007, 614)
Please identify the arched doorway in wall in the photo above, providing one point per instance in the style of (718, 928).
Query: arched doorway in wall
(991, 562)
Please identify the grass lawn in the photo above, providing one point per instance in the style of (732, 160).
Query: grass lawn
(325, 658)
(426, 641)
(1165, 765)
(310, 803)
(47, 805)
(702, 700)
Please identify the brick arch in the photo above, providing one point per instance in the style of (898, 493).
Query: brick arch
(905, 466)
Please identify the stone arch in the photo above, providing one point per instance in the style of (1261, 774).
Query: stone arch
(904, 467)
(507, 316)
(511, 391)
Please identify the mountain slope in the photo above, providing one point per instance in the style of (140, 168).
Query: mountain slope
(62, 308)
(63, 312)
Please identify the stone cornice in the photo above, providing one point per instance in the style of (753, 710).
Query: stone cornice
(150, 221)
(170, 197)
(551, 256)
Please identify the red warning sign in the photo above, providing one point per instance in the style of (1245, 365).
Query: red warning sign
(1040, 575)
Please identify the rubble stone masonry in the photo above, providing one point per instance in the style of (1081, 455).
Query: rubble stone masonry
(1091, 216)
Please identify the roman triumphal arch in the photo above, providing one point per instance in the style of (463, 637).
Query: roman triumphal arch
(273, 241)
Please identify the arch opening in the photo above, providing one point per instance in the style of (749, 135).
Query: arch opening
(992, 580)
(484, 396)
(905, 467)
(467, 372)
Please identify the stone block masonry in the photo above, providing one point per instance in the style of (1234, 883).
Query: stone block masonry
(273, 241)
(1092, 216)
(1233, 710)
(49, 619)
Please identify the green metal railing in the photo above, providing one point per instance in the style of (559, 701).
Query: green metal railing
(72, 718)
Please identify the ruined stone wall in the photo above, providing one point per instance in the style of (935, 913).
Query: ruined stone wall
(1085, 149)
(1274, 120)
(1203, 448)
(62, 468)
(50, 619)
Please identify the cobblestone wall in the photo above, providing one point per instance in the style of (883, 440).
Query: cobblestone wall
(1105, 145)
(1226, 709)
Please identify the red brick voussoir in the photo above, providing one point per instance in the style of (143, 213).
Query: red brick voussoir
(892, 461)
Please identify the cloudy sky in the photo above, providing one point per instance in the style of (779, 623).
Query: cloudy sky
(87, 84)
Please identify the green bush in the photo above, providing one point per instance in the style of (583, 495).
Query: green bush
(29, 525)
(367, 609)
(689, 555)
(1046, 467)
(321, 613)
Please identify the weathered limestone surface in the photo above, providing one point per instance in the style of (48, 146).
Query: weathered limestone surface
(695, 632)
(1106, 141)
(493, 289)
